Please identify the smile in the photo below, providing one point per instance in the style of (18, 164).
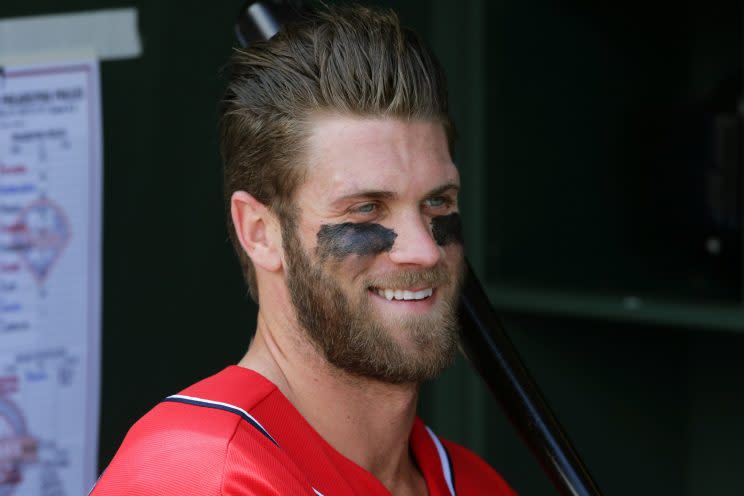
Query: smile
(404, 294)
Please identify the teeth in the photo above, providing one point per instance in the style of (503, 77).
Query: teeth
(424, 293)
(404, 294)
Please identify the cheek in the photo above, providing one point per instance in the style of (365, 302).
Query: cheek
(454, 253)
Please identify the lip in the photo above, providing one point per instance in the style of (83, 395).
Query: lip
(413, 290)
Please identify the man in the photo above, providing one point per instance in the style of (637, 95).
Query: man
(343, 200)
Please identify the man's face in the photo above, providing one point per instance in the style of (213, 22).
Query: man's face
(374, 257)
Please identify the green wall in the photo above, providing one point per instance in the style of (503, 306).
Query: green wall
(583, 232)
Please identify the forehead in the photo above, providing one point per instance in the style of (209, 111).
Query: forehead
(348, 154)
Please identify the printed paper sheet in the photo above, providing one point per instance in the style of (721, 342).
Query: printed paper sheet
(50, 253)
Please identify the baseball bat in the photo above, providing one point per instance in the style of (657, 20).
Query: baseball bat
(492, 354)
(484, 340)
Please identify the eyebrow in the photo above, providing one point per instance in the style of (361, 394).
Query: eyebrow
(442, 189)
(387, 195)
(372, 194)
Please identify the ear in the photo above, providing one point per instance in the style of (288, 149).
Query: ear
(257, 230)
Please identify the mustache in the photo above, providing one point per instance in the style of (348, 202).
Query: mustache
(435, 276)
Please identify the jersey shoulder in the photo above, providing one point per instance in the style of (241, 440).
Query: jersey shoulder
(188, 444)
(473, 475)
(169, 451)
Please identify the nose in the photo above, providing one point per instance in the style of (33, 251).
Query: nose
(414, 244)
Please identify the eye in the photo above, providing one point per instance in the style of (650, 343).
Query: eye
(365, 208)
(438, 202)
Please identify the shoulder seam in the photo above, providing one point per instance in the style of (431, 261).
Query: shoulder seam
(227, 407)
(188, 392)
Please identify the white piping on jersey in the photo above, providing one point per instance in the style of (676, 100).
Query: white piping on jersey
(236, 408)
(443, 459)
(227, 405)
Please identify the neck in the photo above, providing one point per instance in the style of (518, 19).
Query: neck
(369, 422)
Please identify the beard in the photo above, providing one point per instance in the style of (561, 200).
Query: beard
(353, 338)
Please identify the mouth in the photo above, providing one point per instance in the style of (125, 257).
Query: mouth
(403, 294)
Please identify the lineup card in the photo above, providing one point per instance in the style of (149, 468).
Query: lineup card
(50, 259)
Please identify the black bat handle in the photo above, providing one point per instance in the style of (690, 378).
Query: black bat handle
(494, 357)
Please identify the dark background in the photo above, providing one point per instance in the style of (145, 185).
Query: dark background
(601, 161)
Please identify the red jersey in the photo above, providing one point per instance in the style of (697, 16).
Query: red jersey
(236, 434)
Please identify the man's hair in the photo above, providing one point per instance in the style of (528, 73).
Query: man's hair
(346, 60)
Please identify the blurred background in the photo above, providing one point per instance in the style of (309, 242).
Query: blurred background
(600, 150)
